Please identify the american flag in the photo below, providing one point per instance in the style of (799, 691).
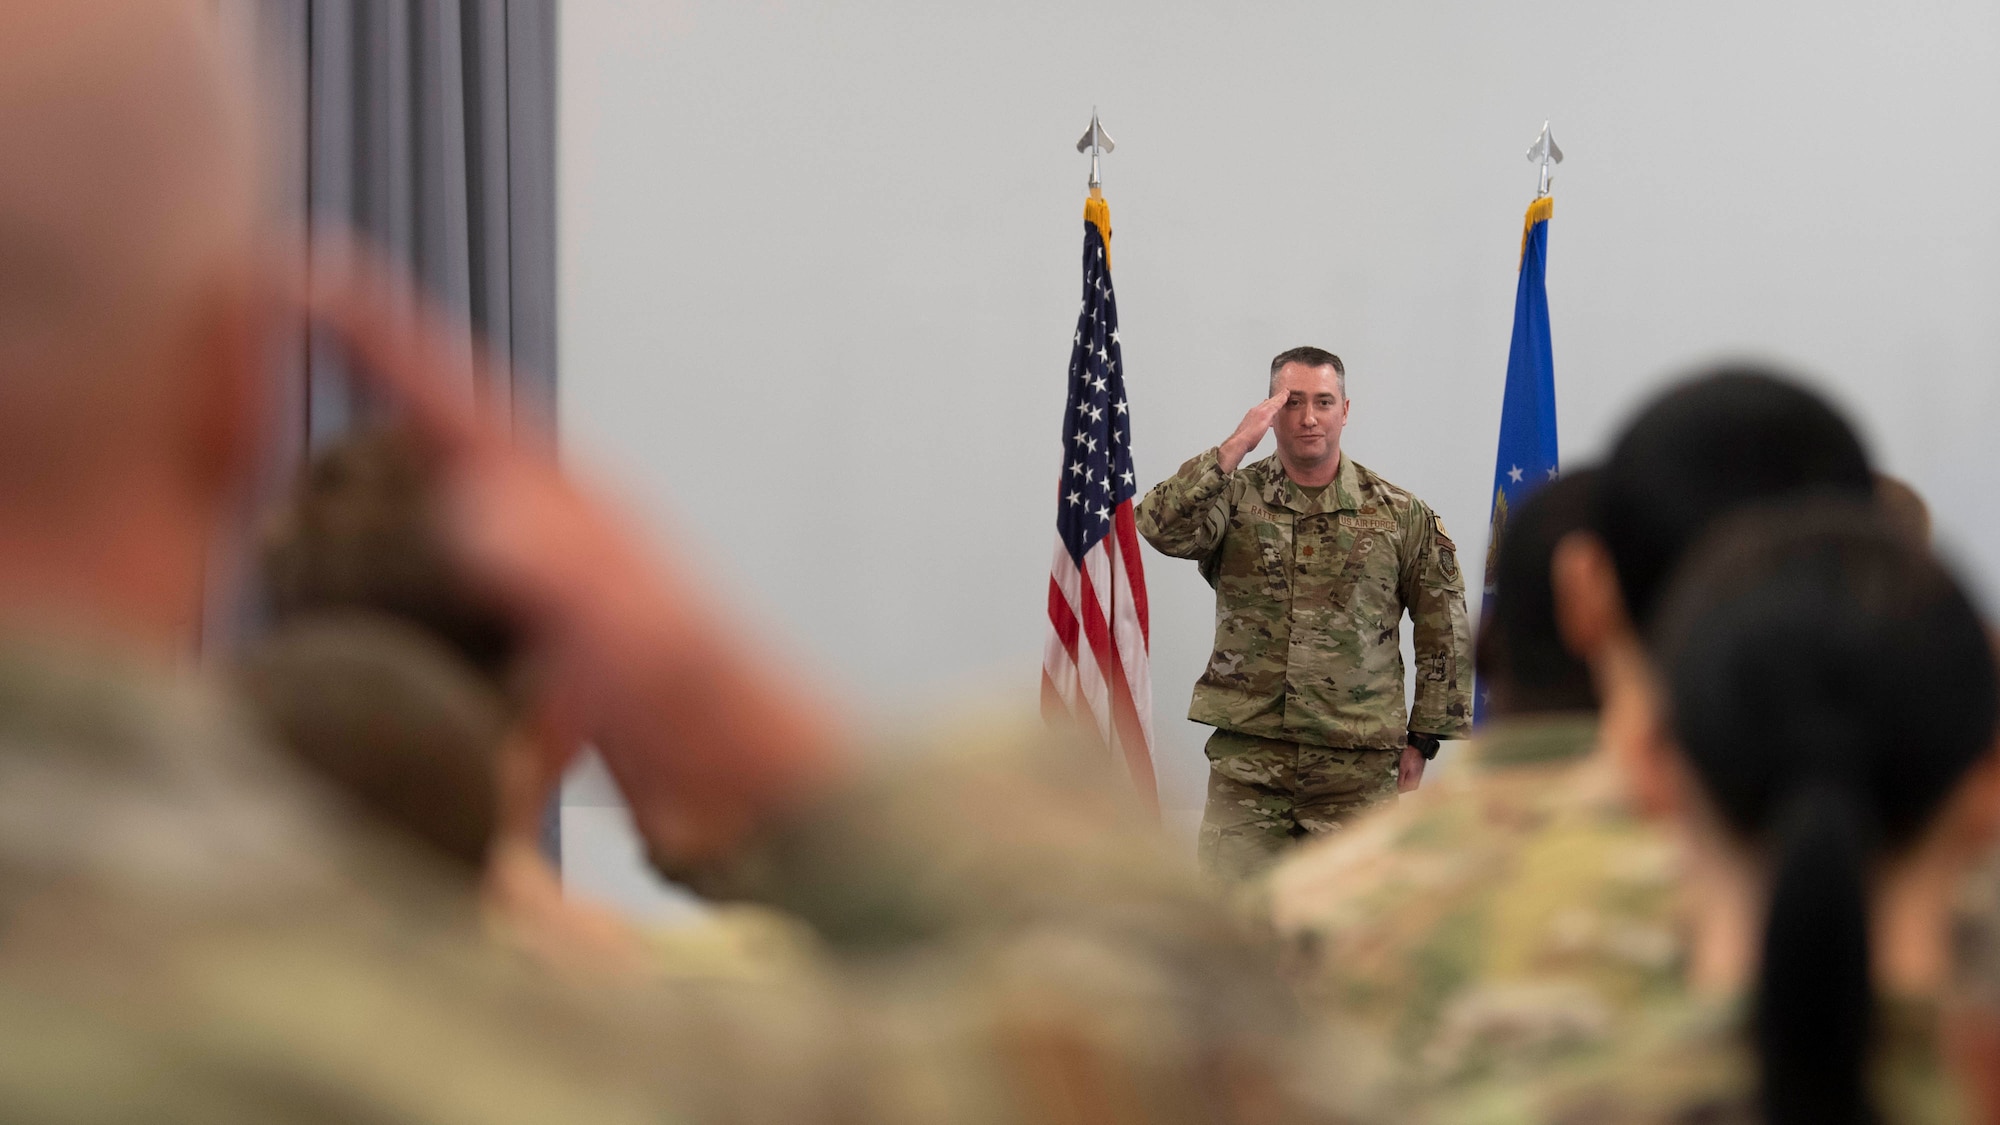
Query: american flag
(1095, 669)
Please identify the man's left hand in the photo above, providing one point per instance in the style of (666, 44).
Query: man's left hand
(1410, 770)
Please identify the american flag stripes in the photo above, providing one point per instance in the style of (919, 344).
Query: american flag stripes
(1095, 667)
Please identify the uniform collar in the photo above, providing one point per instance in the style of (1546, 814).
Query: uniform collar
(1344, 496)
(1534, 740)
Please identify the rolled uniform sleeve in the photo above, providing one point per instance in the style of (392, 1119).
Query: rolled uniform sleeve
(1187, 514)
(1433, 590)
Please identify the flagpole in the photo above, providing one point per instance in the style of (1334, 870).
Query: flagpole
(1528, 455)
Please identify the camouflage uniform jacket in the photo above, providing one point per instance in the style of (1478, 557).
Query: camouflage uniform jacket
(192, 931)
(1487, 927)
(1690, 1058)
(1309, 602)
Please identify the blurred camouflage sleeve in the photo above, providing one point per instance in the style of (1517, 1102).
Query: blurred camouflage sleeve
(1187, 514)
(1025, 944)
(1433, 589)
(945, 836)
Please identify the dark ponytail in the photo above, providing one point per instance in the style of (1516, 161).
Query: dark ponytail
(1814, 1007)
(1830, 684)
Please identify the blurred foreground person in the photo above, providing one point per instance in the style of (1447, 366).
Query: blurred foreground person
(383, 671)
(412, 739)
(391, 676)
(1825, 831)
(190, 933)
(1523, 934)
(1510, 915)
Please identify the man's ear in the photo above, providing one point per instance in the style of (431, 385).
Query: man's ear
(1590, 606)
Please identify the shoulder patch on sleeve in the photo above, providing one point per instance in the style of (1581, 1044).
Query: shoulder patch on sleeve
(1444, 540)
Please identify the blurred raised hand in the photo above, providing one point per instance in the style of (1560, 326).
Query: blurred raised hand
(705, 732)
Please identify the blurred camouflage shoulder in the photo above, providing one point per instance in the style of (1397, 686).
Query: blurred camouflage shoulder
(189, 932)
(1029, 944)
(1689, 1059)
(193, 933)
(1489, 926)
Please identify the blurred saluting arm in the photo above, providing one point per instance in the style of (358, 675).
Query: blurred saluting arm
(709, 734)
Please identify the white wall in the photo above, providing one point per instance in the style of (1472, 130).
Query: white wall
(819, 266)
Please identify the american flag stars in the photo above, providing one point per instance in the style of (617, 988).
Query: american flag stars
(1096, 664)
(1098, 414)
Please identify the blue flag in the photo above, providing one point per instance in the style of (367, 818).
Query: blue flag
(1527, 458)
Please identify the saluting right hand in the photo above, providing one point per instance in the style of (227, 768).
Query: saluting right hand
(1250, 431)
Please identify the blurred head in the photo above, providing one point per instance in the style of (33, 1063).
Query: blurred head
(1831, 690)
(400, 726)
(1522, 660)
(1708, 447)
(134, 307)
(362, 535)
(1738, 436)
(1315, 412)
(362, 532)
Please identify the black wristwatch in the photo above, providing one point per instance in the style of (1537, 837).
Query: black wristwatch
(1426, 744)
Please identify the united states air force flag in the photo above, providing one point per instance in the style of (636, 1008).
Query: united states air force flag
(1527, 458)
(1096, 670)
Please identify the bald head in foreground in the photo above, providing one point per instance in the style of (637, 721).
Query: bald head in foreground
(134, 312)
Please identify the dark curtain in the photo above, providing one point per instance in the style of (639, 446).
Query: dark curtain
(429, 126)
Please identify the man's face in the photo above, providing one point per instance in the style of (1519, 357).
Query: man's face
(1314, 414)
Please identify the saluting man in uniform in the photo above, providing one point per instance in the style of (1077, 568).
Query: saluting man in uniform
(1314, 560)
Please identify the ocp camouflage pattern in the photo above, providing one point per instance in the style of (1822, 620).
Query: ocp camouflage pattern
(1309, 600)
(1509, 947)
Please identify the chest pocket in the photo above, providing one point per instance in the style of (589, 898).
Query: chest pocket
(1369, 568)
(1252, 563)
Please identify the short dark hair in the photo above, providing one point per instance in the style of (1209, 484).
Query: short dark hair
(1309, 356)
(1738, 435)
(362, 532)
(1521, 658)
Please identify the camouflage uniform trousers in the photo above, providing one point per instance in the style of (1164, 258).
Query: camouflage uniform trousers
(1264, 795)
